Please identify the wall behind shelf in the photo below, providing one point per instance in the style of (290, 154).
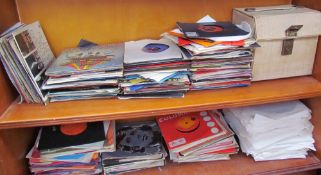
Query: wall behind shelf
(105, 21)
(8, 14)
(314, 104)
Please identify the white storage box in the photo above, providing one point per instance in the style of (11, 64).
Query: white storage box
(288, 37)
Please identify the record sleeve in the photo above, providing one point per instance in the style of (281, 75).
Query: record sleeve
(211, 29)
(136, 139)
(151, 51)
(53, 137)
(186, 129)
(88, 59)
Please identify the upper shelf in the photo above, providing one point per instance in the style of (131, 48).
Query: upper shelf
(30, 115)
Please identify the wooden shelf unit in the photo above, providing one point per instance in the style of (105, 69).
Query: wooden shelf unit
(106, 21)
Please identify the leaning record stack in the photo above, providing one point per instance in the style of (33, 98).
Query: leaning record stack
(86, 73)
(71, 149)
(221, 53)
(154, 69)
(25, 54)
(197, 136)
(138, 146)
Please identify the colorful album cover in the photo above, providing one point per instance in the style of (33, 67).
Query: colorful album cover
(210, 29)
(53, 137)
(185, 128)
(88, 59)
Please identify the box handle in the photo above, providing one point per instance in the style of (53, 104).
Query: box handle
(292, 31)
(287, 45)
(262, 9)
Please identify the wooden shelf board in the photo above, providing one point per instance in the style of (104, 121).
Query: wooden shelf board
(239, 164)
(30, 115)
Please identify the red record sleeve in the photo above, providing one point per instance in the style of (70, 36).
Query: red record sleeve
(186, 128)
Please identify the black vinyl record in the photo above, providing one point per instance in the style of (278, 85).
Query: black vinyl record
(60, 136)
(211, 29)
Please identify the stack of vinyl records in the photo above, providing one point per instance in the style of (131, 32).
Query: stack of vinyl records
(197, 136)
(273, 131)
(154, 69)
(71, 149)
(221, 53)
(138, 146)
(25, 54)
(86, 73)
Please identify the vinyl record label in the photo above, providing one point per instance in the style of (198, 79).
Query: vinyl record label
(73, 129)
(210, 28)
(155, 47)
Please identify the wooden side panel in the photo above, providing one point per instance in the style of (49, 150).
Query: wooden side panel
(315, 106)
(8, 17)
(105, 21)
(8, 14)
(14, 144)
(7, 91)
(317, 64)
(315, 103)
(314, 4)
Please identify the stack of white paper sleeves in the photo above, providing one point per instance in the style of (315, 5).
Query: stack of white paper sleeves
(154, 69)
(273, 131)
(221, 52)
(85, 73)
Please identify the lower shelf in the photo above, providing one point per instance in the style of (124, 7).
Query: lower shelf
(238, 165)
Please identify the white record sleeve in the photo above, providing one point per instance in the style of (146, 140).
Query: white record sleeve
(149, 50)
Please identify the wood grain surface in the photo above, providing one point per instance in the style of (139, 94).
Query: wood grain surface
(8, 14)
(28, 115)
(8, 17)
(314, 4)
(238, 165)
(14, 144)
(106, 21)
(315, 105)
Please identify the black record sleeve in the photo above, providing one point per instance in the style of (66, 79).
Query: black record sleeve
(210, 29)
(52, 137)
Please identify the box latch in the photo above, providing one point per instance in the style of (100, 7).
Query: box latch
(287, 46)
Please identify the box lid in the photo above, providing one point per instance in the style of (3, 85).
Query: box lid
(273, 21)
